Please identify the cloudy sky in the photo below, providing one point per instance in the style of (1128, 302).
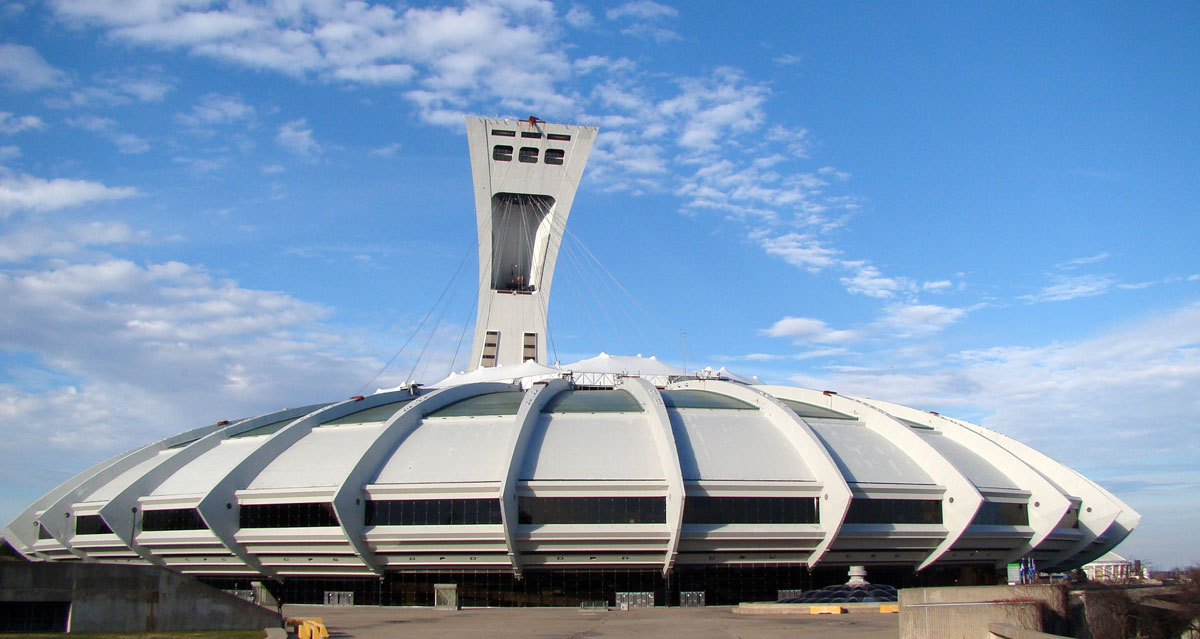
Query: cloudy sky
(210, 210)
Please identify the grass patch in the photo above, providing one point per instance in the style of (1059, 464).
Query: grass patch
(182, 634)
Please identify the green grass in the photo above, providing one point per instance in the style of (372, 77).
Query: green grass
(195, 634)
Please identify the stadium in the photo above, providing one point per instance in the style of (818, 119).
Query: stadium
(526, 483)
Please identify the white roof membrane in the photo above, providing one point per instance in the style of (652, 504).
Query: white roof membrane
(976, 468)
(734, 445)
(866, 457)
(202, 473)
(122, 481)
(591, 446)
(450, 450)
(323, 457)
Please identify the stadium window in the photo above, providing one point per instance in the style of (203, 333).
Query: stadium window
(750, 510)
(432, 512)
(592, 510)
(502, 153)
(531, 134)
(505, 133)
(558, 136)
(43, 533)
(91, 525)
(555, 156)
(287, 515)
(528, 154)
(894, 511)
(993, 513)
(173, 519)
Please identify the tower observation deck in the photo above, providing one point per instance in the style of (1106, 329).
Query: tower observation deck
(525, 173)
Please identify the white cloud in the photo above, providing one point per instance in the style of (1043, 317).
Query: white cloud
(23, 68)
(294, 137)
(45, 241)
(29, 193)
(1081, 261)
(9, 152)
(579, 17)
(107, 128)
(1069, 288)
(801, 250)
(936, 286)
(387, 150)
(788, 59)
(1193, 277)
(808, 329)
(868, 280)
(918, 319)
(131, 353)
(216, 109)
(644, 17)
(10, 124)
(642, 10)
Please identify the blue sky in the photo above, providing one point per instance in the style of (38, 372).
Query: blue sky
(213, 210)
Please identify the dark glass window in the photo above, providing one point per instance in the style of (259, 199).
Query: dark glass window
(502, 153)
(91, 525)
(894, 511)
(504, 133)
(555, 156)
(993, 513)
(529, 154)
(531, 134)
(433, 512)
(175, 519)
(1071, 519)
(750, 510)
(43, 533)
(593, 510)
(287, 515)
(558, 136)
(34, 616)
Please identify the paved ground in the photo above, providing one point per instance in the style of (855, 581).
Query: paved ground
(717, 622)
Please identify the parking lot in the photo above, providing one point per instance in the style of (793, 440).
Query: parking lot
(368, 622)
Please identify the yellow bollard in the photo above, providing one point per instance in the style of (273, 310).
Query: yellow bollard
(832, 609)
(311, 628)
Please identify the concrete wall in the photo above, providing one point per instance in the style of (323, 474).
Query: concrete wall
(965, 612)
(119, 598)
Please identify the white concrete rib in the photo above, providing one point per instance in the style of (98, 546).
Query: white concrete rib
(1098, 509)
(1047, 505)
(835, 492)
(668, 453)
(960, 501)
(349, 499)
(526, 422)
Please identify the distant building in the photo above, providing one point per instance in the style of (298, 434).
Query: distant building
(1111, 567)
(526, 482)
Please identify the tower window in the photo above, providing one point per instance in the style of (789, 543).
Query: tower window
(555, 156)
(558, 136)
(502, 153)
(531, 134)
(529, 154)
(530, 347)
(504, 133)
(491, 344)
